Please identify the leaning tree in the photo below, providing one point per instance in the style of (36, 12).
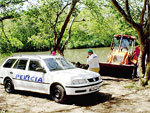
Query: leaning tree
(137, 14)
(59, 35)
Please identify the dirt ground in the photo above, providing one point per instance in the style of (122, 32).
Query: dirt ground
(116, 96)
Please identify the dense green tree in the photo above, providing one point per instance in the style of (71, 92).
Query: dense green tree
(139, 19)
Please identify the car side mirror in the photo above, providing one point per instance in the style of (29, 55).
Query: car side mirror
(40, 69)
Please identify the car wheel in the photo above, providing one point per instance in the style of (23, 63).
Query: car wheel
(8, 85)
(58, 94)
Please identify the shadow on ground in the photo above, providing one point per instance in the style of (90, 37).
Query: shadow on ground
(89, 100)
(83, 100)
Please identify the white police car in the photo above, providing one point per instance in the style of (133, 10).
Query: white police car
(47, 74)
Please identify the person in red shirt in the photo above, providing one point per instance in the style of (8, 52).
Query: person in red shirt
(53, 53)
(136, 54)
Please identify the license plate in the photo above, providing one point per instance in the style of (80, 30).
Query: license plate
(94, 88)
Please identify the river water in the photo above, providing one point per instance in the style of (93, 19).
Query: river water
(81, 54)
(75, 55)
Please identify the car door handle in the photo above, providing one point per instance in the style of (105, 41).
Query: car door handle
(11, 72)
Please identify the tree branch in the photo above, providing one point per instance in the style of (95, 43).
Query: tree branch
(58, 14)
(126, 17)
(69, 35)
(6, 17)
(75, 20)
(143, 13)
(72, 8)
(56, 21)
(12, 2)
(147, 23)
(3, 31)
(74, 2)
(127, 8)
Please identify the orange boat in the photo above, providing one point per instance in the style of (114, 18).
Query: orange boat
(123, 59)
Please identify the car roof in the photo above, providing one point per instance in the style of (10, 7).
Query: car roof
(36, 56)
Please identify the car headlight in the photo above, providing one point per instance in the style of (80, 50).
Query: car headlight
(79, 81)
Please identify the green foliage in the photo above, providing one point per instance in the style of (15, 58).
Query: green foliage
(10, 8)
(9, 44)
(4, 45)
(32, 30)
(37, 43)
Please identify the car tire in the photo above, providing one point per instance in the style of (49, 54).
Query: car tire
(9, 86)
(58, 94)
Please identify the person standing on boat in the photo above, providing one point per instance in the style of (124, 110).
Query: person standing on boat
(93, 62)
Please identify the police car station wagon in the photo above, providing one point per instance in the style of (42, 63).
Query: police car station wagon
(47, 74)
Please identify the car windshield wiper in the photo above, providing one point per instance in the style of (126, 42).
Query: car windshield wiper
(55, 69)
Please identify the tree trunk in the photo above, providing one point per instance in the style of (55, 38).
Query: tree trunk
(142, 64)
(67, 39)
(50, 44)
(56, 46)
(142, 59)
(143, 52)
(147, 74)
(147, 40)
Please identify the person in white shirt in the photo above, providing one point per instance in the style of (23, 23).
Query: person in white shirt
(93, 62)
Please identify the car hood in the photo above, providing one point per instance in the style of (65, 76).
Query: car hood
(75, 74)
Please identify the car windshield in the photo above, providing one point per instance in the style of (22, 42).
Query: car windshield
(55, 64)
(125, 44)
(116, 42)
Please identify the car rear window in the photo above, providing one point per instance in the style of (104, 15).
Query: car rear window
(9, 63)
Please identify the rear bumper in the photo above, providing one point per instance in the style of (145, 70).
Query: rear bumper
(81, 90)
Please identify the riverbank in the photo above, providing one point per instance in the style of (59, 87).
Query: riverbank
(116, 96)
